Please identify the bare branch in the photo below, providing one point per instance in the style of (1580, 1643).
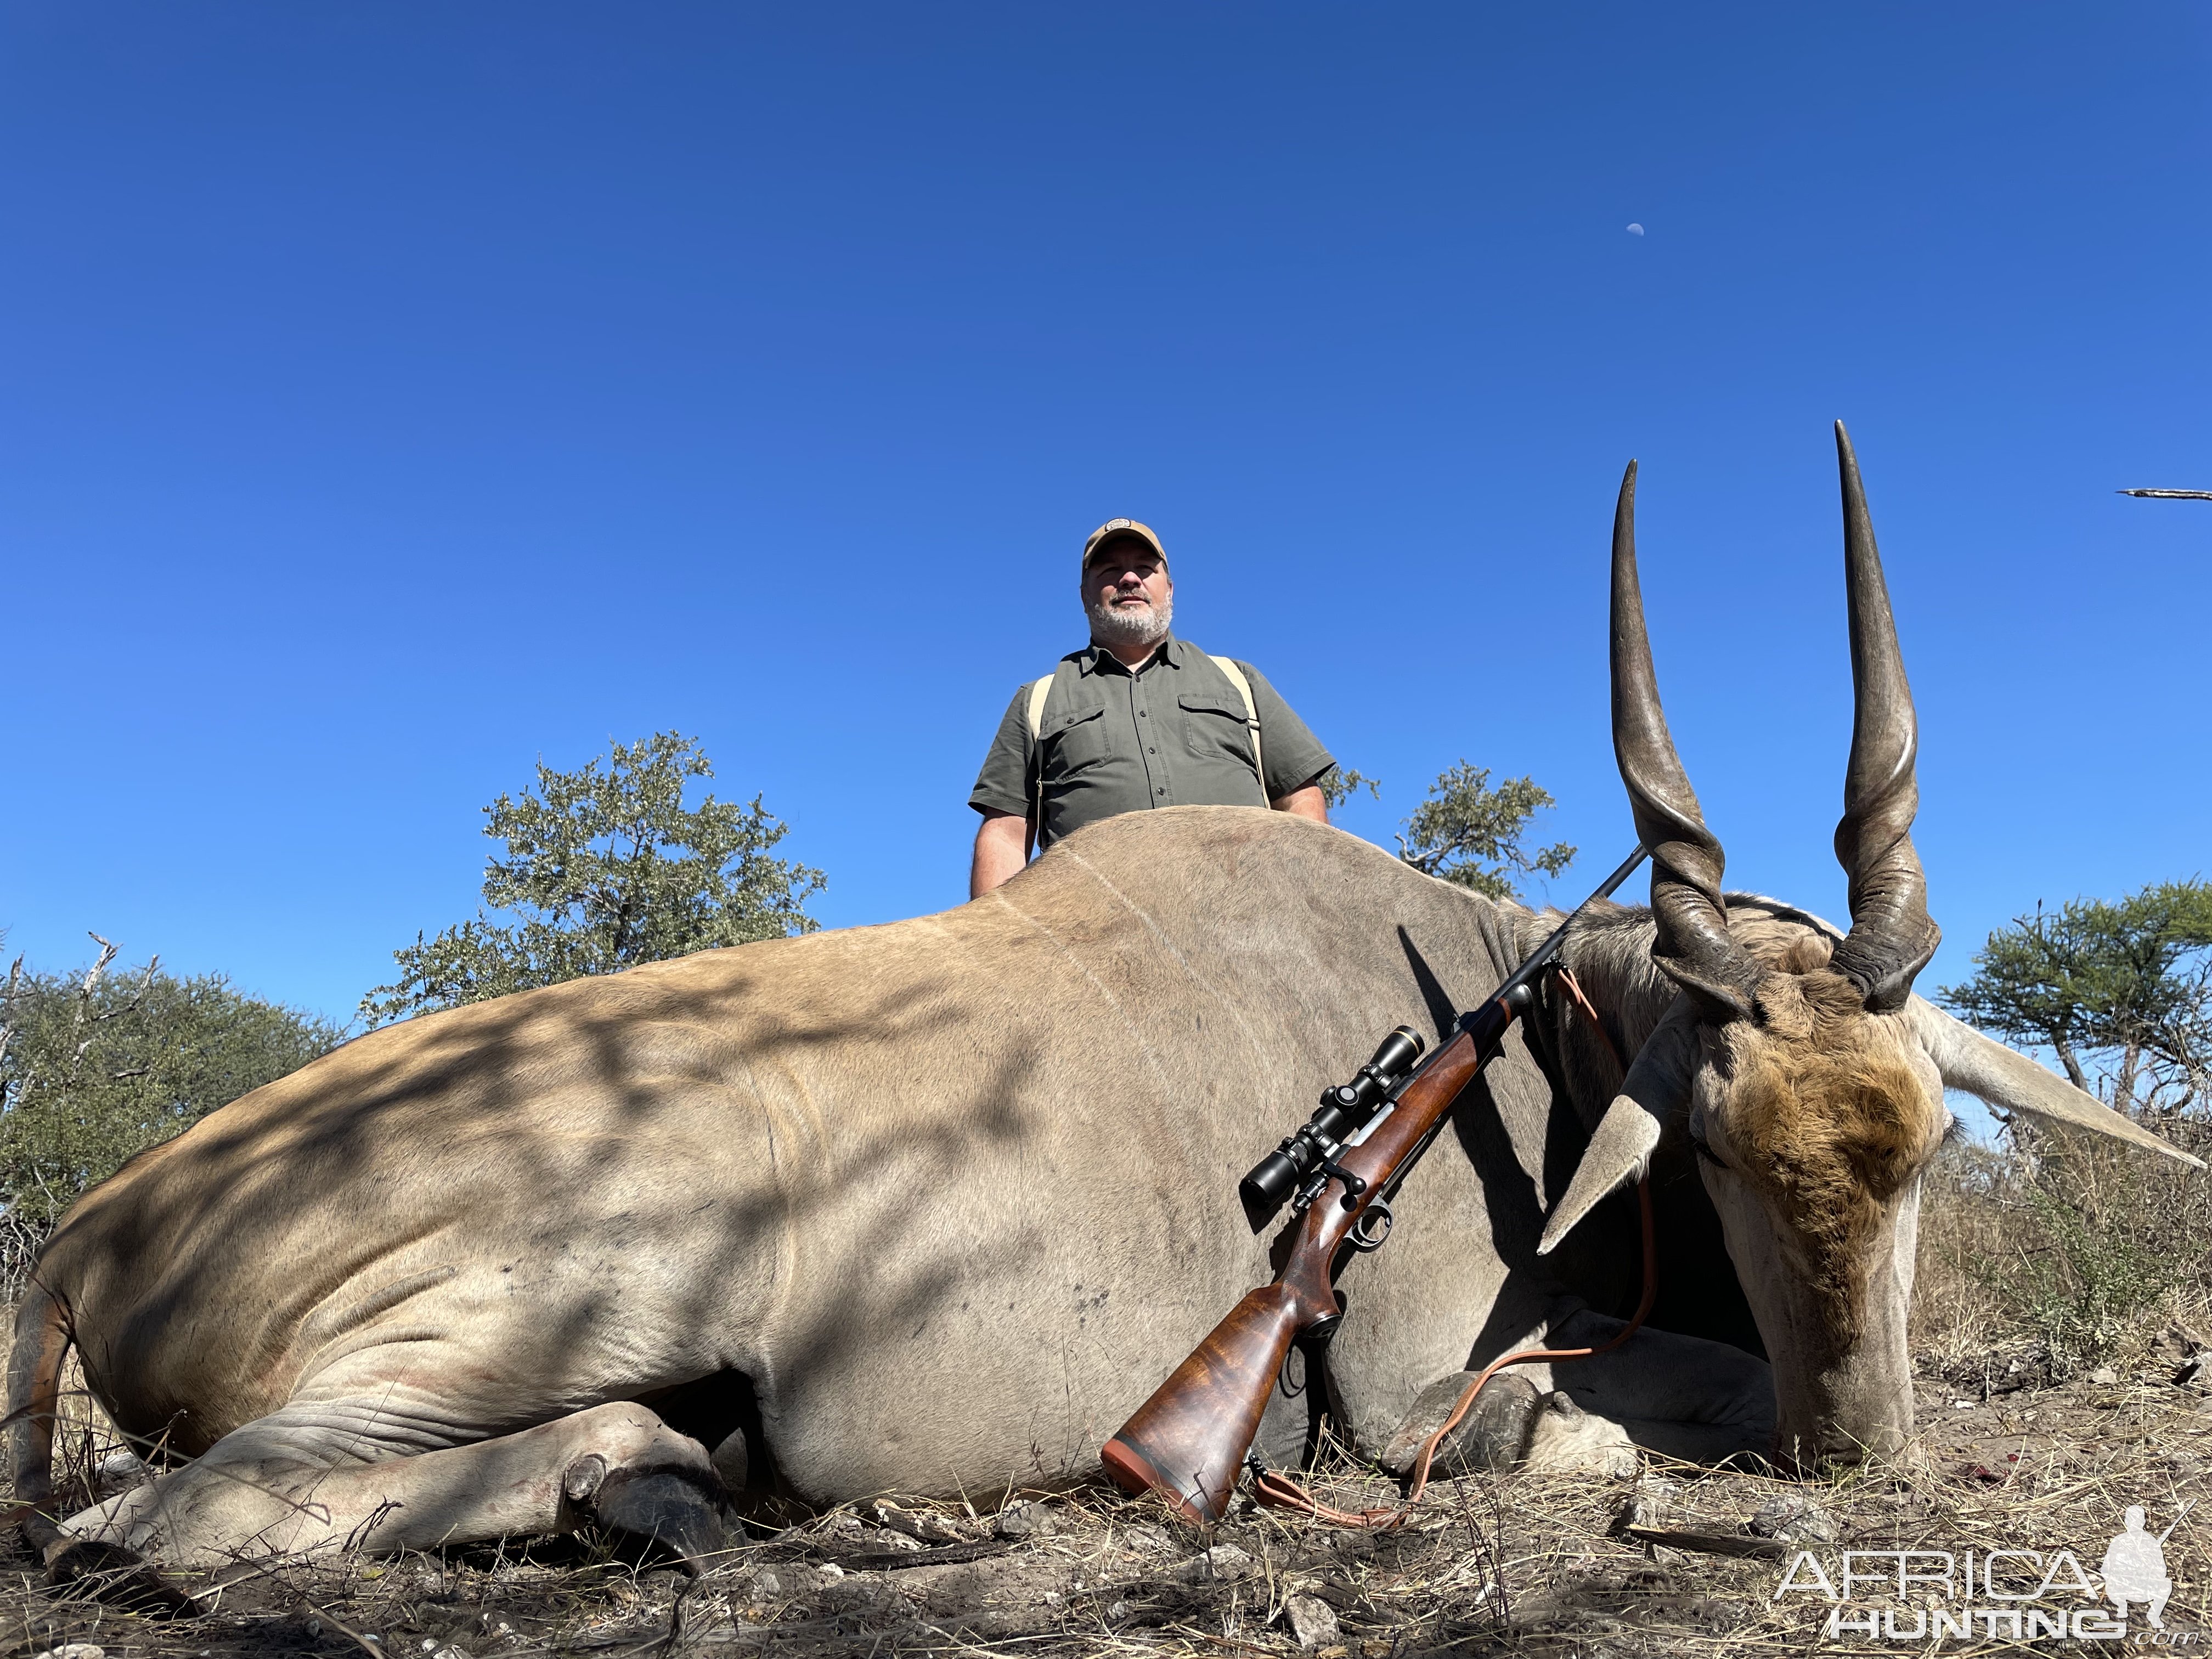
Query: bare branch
(138, 997)
(84, 991)
(8, 997)
(92, 974)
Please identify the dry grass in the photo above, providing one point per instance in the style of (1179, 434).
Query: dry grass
(2057, 1312)
(2043, 1469)
(2084, 1253)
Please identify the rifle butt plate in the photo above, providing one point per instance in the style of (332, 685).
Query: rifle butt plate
(1134, 1472)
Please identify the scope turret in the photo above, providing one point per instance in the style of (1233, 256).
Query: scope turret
(1345, 1109)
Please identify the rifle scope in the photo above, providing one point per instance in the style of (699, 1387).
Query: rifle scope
(1303, 1165)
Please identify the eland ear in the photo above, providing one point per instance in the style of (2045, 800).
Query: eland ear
(1657, 1085)
(1985, 1069)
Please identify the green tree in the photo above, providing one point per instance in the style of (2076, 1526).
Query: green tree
(94, 1068)
(2121, 992)
(606, 867)
(1343, 783)
(1466, 831)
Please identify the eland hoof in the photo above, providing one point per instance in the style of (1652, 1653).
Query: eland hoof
(663, 1509)
(1492, 1436)
(113, 1575)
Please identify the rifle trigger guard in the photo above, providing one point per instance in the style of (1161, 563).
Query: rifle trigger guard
(1368, 1243)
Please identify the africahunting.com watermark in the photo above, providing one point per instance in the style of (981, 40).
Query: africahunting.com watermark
(1979, 1595)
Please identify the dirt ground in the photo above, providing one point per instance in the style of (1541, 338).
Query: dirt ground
(1489, 1564)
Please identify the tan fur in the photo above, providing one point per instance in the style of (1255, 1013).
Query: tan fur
(1825, 1115)
(948, 1197)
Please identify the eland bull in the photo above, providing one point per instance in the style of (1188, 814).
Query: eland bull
(931, 1206)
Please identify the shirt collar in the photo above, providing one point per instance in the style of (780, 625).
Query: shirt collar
(1095, 656)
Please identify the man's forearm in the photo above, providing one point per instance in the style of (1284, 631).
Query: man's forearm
(1001, 849)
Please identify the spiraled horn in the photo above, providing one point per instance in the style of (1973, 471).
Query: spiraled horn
(1892, 934)
(1693, 948)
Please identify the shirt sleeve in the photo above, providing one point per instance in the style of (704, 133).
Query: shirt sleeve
(1294, 755)
(1003, 785)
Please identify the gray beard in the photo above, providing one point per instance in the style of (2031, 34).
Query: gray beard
(1147, 627)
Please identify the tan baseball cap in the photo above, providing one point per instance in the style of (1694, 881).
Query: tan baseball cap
(1123, 527)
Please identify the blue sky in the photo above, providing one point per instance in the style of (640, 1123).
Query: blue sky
(392, 395)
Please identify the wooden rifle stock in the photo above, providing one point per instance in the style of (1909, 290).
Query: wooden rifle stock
(1189, 1441)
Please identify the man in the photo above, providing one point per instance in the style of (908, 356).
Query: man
(1141, 718)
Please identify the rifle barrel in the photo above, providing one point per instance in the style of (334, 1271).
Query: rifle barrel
(1550, 948)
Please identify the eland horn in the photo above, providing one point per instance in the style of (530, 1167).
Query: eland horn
(1693, 948)
(1892, 934)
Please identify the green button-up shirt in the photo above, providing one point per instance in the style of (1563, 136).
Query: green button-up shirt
(1171, 734)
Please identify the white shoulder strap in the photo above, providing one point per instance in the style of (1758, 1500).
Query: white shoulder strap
(1039, 690)
(1251, 714)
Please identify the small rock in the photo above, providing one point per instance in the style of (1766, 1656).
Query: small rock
(923, 1526)
(1650, 1503)
(1794, 1518)
(2182, 1342)
(75, 1650)
(2104, 1376)
(1023, 1520)
(1117, 1610)
(769, 1586)
(1225, 1564)
(1312, 1621)
(1719, 1614)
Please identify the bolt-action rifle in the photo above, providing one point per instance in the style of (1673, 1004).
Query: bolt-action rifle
(1338, 1173)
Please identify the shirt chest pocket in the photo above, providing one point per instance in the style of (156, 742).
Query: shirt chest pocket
(1216, 729)
(1072, 742)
